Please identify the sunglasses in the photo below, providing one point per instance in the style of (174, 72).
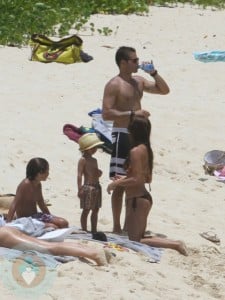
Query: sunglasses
(134, 60)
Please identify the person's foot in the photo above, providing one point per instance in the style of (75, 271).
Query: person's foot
(182, 248)
(117, 230)
(123, 233)
(101, 258)
(108, 255)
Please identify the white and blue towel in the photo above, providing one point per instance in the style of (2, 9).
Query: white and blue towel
(210, 56)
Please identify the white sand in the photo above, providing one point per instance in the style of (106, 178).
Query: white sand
(38, 99)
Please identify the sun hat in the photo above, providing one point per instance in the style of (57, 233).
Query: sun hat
(88, 141)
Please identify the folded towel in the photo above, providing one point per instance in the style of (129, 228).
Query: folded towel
(211, 56)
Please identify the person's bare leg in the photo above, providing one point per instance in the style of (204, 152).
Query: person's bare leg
(83, 219)
(136, 221)
(80, 250)
(94, 220)
(137, 217)
(117, 200)
(166, 243)
(60, 222)
(13, 238)
(51, 225)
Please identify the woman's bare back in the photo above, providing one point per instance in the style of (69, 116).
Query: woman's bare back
(139, 169)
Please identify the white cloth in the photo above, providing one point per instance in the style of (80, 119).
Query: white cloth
(101, 126)
(2, 221)
(37, 229)
(29, 226)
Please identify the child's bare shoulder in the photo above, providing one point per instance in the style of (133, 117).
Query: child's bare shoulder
(24, 183)
(81, 160)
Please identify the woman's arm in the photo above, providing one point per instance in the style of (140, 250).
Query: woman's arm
(134, 174)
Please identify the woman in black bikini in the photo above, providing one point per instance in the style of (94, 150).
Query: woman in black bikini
(139, 167)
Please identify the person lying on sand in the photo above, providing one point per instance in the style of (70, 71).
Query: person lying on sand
(13, 238)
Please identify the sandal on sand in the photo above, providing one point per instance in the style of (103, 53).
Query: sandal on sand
(210, 236)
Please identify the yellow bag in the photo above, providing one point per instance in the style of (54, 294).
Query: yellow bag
(67, 50)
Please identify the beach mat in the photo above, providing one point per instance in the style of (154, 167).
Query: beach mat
(152, 253)
(210, 56)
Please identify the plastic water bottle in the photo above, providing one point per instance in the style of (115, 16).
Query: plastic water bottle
(146, 66)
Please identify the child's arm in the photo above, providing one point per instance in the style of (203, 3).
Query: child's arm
(80, 174)
(122, 181)
(43, 207)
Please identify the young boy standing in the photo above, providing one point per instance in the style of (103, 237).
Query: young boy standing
(89, 188)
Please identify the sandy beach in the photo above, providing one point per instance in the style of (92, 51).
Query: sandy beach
(38, 99)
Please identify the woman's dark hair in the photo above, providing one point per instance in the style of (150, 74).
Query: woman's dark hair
(123, 53)
(140, 131)
(36, 165)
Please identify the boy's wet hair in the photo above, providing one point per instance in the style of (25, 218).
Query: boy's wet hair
(35, 166)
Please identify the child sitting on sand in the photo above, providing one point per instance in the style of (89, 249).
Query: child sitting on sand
(29, 196)
(89, 191)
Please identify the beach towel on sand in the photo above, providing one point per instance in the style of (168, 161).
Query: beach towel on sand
(152, 254)
(50, 261)
(211, 56)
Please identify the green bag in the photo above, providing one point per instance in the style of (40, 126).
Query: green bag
(67, 50)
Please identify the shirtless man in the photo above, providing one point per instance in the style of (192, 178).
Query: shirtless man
(29, 196)
(121, 100)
